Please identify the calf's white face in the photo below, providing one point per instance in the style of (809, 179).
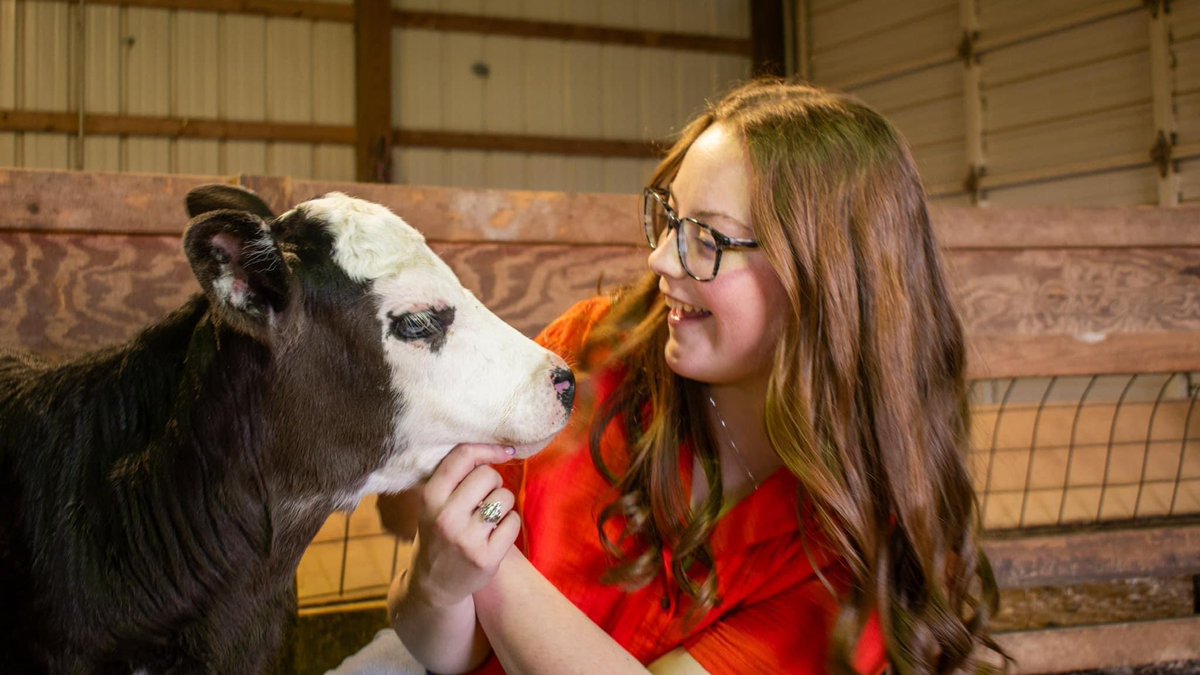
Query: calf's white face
(463, 374)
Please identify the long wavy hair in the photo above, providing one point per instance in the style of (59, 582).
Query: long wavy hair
(867, 402)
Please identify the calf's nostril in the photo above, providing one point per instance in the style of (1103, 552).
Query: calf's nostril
(564, 386)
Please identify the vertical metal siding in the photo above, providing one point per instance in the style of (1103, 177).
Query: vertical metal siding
(9, 33)
(555, 88)
(191, 64)
(196, 88)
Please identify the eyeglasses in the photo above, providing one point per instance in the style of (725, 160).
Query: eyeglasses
(699, 245)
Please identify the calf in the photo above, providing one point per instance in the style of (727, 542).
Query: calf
(156, 498)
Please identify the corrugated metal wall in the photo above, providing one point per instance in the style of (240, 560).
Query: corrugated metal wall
(181, 64)
(1057, 106)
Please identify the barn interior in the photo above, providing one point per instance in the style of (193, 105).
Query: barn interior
(1058, 142)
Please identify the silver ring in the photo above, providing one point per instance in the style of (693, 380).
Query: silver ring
(491, 512)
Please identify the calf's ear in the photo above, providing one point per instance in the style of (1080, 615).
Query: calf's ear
(239, 266)
(218, 196)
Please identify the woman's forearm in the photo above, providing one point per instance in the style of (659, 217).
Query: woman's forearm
(443, 639)
(534, 629)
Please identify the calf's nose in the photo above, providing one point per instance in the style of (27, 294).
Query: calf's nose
(564, 386)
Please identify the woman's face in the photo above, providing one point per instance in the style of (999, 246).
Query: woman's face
(722, 331)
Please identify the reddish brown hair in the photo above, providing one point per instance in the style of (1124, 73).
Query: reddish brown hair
(867, 401)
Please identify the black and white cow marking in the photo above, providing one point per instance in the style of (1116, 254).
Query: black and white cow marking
(155, 498)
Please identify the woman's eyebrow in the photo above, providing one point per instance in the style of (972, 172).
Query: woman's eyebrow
(705, 216)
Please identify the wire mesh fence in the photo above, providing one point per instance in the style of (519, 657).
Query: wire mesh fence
(1045, 452)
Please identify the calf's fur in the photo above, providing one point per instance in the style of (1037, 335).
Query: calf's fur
(156, 497)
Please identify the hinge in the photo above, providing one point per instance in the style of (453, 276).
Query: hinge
(1156, 6)
(1160, 153)
(972, 183)
(966, 46)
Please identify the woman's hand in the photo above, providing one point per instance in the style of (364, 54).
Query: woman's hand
(458, 551)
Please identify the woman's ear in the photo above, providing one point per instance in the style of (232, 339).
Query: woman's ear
(240, 267)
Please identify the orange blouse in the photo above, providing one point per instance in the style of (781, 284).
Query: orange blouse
(775, 614)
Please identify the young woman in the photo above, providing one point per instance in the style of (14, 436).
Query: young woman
(772, 479)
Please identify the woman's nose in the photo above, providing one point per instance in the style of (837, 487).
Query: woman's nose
(664, 259)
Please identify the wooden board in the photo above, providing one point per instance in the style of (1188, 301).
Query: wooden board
(93, 257)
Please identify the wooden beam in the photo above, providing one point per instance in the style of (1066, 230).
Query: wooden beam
(1090, 557)
(173, 127)
(606, 218)
(372, 91)
(551, 145)
(768, 45)
(1014, 355)
(1105, 647)
(167, 127)
(457, 23)
(552, 30)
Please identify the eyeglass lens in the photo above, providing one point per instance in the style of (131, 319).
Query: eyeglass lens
(697, 248)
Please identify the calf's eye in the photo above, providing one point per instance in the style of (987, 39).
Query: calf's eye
(428, 325)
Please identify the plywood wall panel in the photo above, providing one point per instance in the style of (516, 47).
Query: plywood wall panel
(1190, 185)
(915, 89)
(1110, 83)
(1070, 48)
(1109, 188)
(942, 164)
(1127, 130)
(868, 38)
(1007, 16)
(852, 21)
(1187, 65)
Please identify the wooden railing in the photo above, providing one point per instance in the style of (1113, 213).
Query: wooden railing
(87, 259)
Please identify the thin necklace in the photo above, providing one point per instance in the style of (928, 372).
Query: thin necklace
(736, 453)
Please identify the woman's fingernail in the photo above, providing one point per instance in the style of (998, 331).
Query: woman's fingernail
(510, 451)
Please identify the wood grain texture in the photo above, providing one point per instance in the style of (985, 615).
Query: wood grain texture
(501, 215)
(1081, 557)
(71, 201)
(91, 257)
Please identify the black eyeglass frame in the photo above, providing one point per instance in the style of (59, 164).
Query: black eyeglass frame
(674, 222)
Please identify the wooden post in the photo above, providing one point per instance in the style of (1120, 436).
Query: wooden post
(373, 91)
(972, 100)
(1161, 67)
(766, 37)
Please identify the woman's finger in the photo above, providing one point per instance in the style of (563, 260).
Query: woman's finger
(493, 507)
(456, 466)
(505, 535)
